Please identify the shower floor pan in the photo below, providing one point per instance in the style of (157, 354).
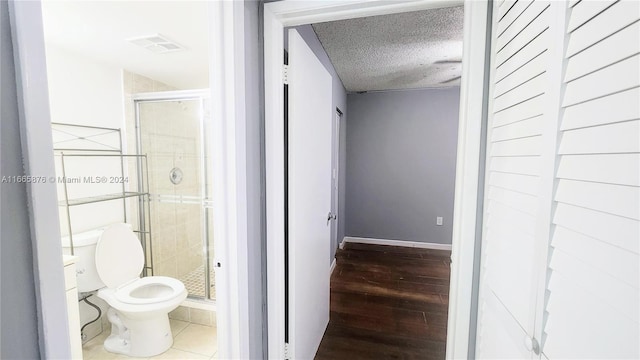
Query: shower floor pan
(194, 282)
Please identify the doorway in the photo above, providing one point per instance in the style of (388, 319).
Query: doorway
(27, 28)
(279, 15)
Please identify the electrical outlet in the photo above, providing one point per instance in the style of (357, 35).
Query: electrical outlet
(439, 220)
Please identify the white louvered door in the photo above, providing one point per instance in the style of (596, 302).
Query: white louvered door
(560, 263)
(513, 197)
(593, 307)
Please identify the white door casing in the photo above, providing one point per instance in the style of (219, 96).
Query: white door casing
(309, 175)
(227, 70)
(280, 14)
(335, 176)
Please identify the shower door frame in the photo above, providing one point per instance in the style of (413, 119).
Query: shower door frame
(200, 95)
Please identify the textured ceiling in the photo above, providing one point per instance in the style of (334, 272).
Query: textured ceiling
(400, 51)
(99, 29)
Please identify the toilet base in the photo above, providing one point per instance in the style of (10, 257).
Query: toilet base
(138, 337)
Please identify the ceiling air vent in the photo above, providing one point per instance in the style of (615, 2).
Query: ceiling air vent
(156, 43)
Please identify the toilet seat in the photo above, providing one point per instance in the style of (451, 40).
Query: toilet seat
(119, 262)
(149, 290)
(119, 256)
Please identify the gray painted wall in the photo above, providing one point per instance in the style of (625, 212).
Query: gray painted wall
(340, 102)
(256, 231)
(19, 325)
(401, 152)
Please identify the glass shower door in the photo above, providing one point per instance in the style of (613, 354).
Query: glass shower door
(171, 133)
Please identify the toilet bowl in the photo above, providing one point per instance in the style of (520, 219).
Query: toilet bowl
(139, 306)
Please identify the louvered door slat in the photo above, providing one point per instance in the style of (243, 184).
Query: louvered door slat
(499, 337)
(612, 199)
(604, 53)
(505, 215)
(507, 286)
(594, 267)
(522, 39)
(522, 30)
(616, 262)
(529, 146)
(526, 91)
(580, 327)
(618, 16)
(513, 15)
(518, 129)
(505, 7)
(516, 200)
(522, 111)
(586, 10)
(528, 71)
(608, 290)
(622, 169)
(536, 47)
(621, 232)
(598, 111)
(597, 139)
(616, 77)
(520, 183)
(516, 165)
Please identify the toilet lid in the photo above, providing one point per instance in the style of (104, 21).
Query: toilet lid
(119, 255)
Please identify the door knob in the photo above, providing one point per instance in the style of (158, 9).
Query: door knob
(532, 345)
(330, 216)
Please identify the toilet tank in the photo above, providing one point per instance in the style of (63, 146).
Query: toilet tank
(84, 247)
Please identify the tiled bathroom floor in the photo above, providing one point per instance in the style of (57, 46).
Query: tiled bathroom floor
(194, 282)
(190, 341)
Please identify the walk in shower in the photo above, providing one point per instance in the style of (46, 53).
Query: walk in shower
(172, 130)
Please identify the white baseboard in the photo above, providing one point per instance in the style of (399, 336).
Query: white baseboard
(333, 266)
(414, 244)
(341, 245)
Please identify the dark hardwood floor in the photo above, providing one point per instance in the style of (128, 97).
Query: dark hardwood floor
(387, 302)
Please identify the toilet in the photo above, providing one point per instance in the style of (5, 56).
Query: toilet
(111, 261)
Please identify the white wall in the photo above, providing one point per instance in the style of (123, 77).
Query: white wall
(84, 91)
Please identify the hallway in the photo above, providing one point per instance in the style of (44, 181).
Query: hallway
(387, 302)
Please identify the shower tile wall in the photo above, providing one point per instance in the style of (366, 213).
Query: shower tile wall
(170, 137)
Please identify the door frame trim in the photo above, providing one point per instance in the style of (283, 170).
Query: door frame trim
(228, 160)
(281, 14)
(335, 187)
(37, 151)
